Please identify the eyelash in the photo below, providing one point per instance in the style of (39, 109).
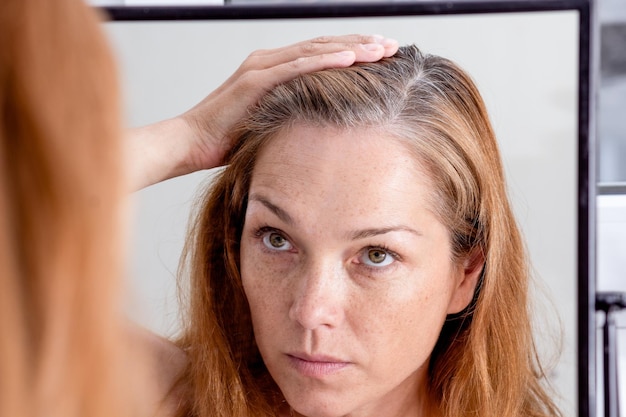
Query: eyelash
(259, 232)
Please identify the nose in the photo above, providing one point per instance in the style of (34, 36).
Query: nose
(319, 297)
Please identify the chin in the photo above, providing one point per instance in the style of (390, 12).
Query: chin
(312, 404)
(316, 411)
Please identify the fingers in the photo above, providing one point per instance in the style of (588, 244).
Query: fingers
(364, 49)
(264, 69)
(327, 44)
(284, 72)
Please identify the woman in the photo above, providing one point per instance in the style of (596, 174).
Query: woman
(63, 350)
(359, 256)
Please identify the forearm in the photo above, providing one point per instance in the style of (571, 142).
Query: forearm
(157, 152)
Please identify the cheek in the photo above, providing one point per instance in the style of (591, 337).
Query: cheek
(412, 317)
(409, 320)
(251, 276)
(261, 285)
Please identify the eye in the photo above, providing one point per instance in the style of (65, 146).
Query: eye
(276, 241)
(377, 257)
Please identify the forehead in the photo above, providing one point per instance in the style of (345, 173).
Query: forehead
(345, 171)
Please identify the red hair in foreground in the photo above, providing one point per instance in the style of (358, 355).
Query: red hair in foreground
(60, 214)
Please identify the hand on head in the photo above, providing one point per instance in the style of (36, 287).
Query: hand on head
(213, 117)
(198, 138)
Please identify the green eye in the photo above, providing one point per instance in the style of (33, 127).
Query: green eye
(377, 256)
(276, 241)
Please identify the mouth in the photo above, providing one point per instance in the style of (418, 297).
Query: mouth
(316, 366)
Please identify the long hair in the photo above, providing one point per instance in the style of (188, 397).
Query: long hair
(485, 363)
(60, 214)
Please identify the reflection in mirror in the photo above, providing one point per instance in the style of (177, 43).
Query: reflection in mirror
(525, 65)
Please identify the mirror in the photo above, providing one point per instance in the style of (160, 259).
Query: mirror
(525, 65)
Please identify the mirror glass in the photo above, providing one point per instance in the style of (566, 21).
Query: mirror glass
(526, 66)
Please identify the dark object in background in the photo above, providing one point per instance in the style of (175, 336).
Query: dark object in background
(613, 50)
(612, 104)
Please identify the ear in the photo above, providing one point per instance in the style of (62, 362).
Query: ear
(466, 281)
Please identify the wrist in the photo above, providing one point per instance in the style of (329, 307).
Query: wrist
(158, 152)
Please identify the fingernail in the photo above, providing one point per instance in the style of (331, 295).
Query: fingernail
(378, 38)
(389, 42)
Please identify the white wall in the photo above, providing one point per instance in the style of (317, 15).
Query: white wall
(525, 65)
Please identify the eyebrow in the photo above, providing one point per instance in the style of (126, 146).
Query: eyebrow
(355, 235)
(279, 212)
(365, 233)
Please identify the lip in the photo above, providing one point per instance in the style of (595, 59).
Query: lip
(316, 366)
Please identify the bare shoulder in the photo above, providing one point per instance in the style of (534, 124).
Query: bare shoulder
(164, 364)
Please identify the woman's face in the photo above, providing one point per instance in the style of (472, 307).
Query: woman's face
(347, 271)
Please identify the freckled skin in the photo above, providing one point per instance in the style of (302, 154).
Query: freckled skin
(326, 198)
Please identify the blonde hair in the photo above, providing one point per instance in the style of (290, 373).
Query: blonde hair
(485, 362)
(60, 194)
